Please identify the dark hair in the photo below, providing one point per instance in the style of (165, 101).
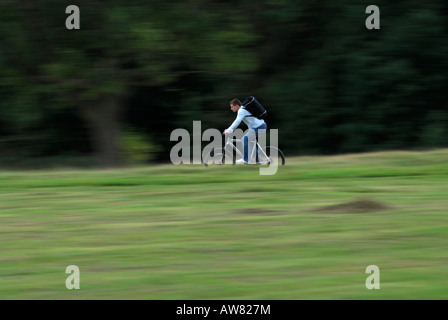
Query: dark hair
(235, 102)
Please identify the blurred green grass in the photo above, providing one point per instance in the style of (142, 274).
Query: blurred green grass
(190, 232)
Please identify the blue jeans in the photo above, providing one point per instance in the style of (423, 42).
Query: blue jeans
(251, 135)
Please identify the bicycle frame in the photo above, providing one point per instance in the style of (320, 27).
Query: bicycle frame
(232, 141)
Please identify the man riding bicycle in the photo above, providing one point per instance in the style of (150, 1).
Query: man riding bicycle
(253, 123)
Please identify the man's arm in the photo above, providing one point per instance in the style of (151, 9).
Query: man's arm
(241, 114)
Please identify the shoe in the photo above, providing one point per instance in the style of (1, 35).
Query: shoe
(263, 162)
(240, 161)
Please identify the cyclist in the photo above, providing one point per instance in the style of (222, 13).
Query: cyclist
(254, 124)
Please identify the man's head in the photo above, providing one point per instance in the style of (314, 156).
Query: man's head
(235, 105)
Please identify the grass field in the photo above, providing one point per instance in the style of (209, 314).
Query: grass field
(190, 232)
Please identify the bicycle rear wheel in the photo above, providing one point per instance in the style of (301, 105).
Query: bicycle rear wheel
(274, 155)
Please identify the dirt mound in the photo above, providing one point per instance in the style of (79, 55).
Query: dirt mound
(357, 206)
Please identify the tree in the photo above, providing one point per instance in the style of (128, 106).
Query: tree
(120, 45)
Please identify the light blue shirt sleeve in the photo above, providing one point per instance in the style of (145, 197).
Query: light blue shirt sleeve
(241, 115)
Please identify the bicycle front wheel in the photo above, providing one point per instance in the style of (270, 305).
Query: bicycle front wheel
(218, 156)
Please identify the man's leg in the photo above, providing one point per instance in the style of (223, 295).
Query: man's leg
(260, 131)
(248, 144)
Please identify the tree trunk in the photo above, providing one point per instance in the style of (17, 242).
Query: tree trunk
(103, 119)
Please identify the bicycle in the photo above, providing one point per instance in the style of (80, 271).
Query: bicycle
(225, 155)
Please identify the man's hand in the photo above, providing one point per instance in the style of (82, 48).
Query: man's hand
(225, 131)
